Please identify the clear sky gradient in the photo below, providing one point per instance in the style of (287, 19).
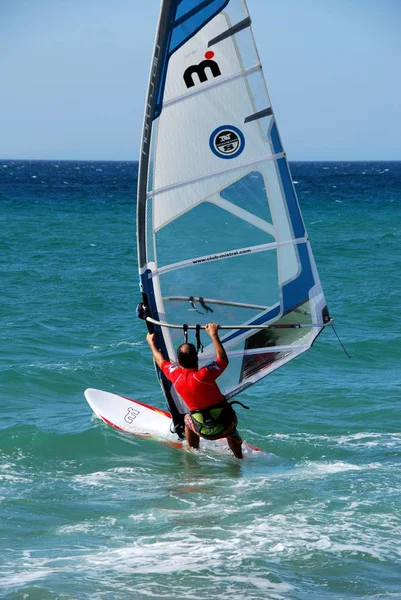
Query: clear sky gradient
(73, 76)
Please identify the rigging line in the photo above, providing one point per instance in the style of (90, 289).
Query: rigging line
(274, 326)
(249, 163)
(213, 84)
(340, 342)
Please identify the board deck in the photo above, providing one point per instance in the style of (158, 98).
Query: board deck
(137, 418)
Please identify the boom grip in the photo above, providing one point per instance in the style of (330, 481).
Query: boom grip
(143, 312)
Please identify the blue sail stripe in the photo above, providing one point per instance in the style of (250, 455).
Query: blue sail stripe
(195, 8)
(296, 292)
(291, 199)
(275, 138)
(198, 14)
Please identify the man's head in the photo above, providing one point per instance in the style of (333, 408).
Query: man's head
(187, 356)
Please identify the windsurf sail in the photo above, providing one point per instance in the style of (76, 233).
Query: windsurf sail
(220, 233)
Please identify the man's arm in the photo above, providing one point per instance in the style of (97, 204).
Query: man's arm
(157, 355)
(212, 329)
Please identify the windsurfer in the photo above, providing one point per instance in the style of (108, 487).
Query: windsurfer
(210, 416)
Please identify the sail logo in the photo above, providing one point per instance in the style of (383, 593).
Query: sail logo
(203, 70)
(227, 142)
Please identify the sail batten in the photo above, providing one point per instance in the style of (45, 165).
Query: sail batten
(213, 84)
(220, 232)
(198, 260)
(229, 32)
(215, 174)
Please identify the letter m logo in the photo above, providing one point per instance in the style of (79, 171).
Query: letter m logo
(131, 415)
(202, 70)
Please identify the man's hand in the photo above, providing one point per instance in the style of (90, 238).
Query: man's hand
(151, 339)
(157, 355)
(211, 329)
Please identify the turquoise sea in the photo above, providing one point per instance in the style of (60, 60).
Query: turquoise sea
(90, 513)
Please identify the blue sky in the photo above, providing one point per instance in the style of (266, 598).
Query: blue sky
(74, 74)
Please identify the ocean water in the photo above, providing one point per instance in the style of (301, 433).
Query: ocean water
(90, 513)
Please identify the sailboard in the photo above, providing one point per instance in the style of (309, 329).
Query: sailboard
(219, 229)
(143, 420)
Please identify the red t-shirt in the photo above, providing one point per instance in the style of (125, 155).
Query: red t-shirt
(198, 389)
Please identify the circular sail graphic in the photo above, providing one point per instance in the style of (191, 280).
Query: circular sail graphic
(227, 142)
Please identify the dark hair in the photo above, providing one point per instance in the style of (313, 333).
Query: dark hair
(187, 356)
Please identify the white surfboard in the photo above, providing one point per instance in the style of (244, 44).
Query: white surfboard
(137, 418)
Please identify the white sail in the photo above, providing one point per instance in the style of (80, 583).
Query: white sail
(220, 232)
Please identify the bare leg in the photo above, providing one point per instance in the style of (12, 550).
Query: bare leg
(235, 446)
(192, 438)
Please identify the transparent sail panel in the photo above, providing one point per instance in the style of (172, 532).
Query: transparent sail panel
(223, 279)
(235, 11)
(249, 193)
(205, 231)
(255, 354)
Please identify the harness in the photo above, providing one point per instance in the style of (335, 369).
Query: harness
(212, 422)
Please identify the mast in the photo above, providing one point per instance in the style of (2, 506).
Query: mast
(159, 52)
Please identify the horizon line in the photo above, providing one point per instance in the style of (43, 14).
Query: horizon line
(130, 160)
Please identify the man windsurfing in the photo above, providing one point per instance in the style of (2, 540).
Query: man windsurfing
(210, 416)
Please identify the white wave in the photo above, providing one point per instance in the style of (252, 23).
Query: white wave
(23, 577)
(12, 477)
(100, 478)
(355, 549)
(87, 526)
(326, 468)
(362, 439)
(125, 343)
(84, 527)
(368, 439)
(111, 478)
(199, 548)
(260, 583)
(219, 551)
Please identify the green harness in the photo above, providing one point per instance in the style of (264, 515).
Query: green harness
(212, 422)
